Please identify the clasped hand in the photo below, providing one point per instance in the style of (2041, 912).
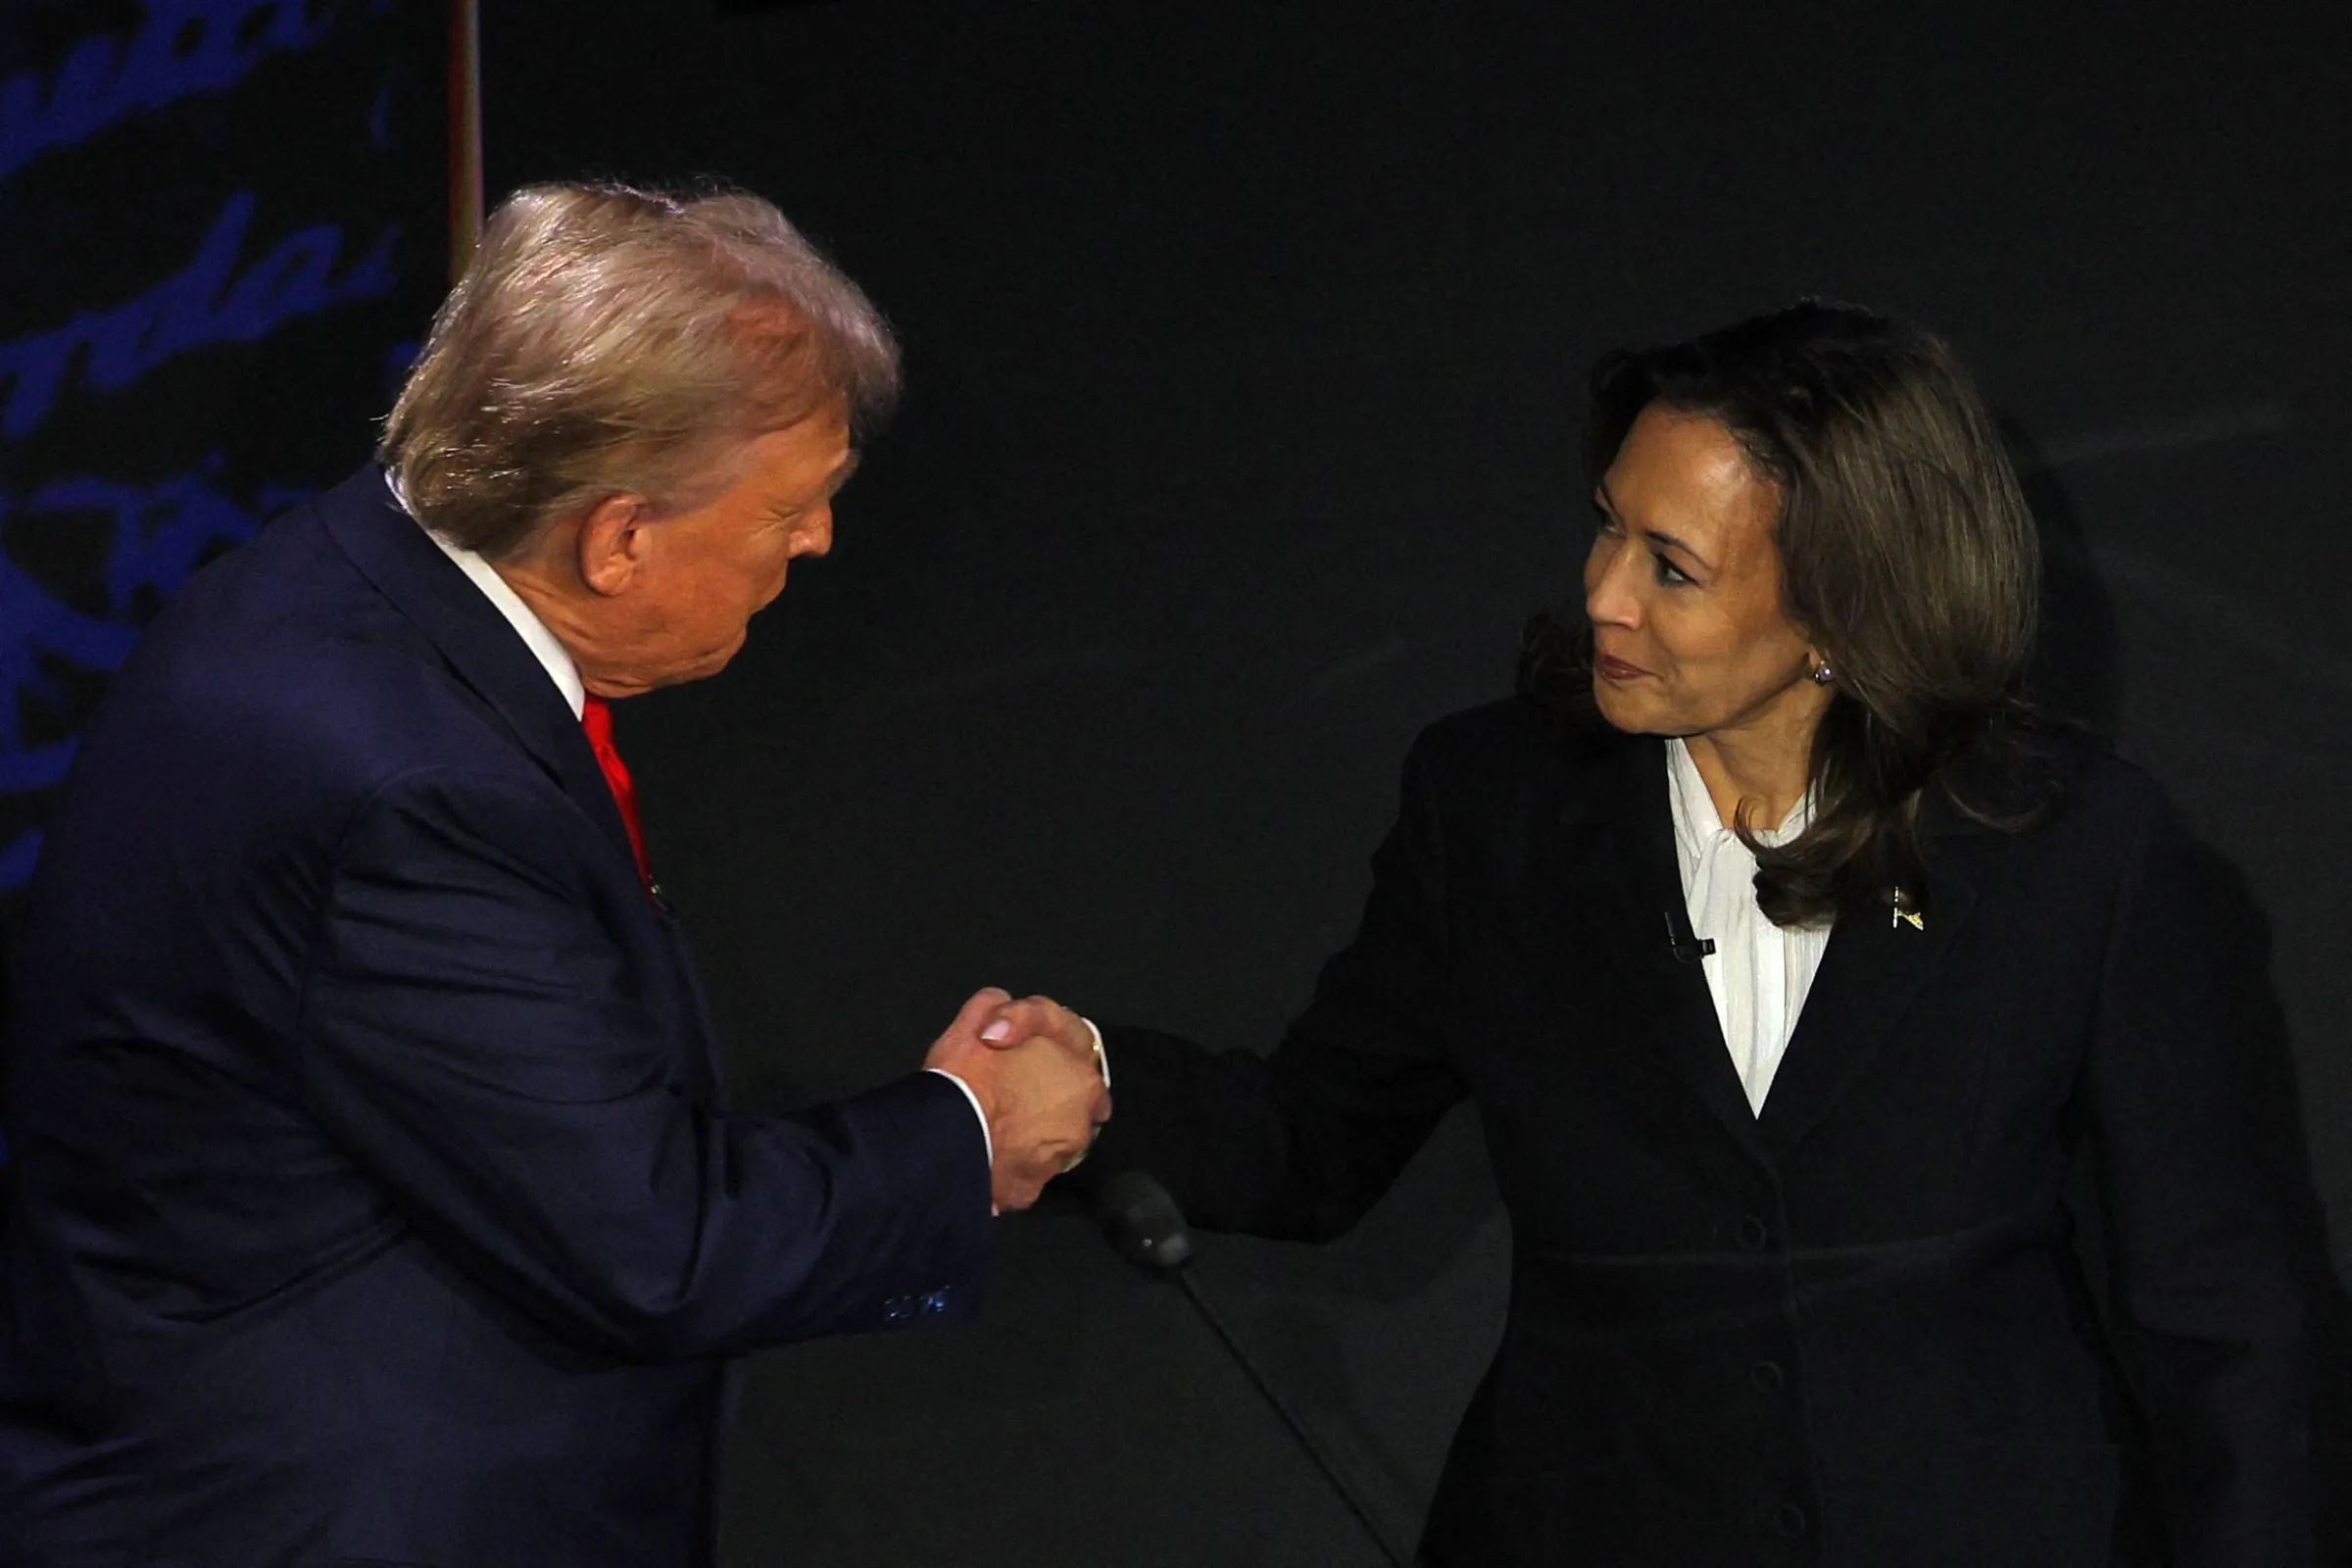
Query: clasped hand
(1030, 1063)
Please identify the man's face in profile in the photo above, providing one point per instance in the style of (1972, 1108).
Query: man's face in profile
(699, 577)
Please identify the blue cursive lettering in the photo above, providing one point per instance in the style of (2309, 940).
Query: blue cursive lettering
(203, 304)
(184, 47)
(161, 534)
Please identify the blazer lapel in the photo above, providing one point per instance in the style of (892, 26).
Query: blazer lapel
(1875, 965)
(391, 549)
(1615, 854)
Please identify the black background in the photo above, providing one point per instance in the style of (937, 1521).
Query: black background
(1246, 345)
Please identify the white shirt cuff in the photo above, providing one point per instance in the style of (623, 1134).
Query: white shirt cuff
(1101, 1057)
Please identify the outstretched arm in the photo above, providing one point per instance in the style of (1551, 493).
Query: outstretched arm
(1300, 1143)
(474, 1038)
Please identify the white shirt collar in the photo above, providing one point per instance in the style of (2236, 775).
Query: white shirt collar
(1697, 822)
(1758, 975)
(551, 655)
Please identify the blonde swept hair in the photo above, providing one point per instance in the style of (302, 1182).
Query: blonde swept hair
(606, 339)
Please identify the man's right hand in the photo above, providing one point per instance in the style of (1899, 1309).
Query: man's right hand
(1042, 1093)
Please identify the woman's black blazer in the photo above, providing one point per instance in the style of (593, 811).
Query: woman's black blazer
(1850, 1331)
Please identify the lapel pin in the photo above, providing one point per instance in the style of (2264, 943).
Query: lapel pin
(1906, 912)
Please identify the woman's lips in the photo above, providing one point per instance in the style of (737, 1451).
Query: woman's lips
(1615, 669)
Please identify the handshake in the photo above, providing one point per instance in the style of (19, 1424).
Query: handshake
(1040, 1084)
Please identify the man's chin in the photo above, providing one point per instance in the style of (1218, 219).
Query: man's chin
(718, 659)
(701, 666)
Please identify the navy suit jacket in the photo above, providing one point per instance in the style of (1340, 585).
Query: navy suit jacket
(373, 1195)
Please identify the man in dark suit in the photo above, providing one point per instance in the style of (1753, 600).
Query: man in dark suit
(374, 1199)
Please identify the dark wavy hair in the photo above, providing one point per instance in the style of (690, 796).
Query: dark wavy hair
(1908, 557)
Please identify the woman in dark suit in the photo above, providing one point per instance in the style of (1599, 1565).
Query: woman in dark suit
(1788, 963)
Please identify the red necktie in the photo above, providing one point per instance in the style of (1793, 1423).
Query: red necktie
(595, 717)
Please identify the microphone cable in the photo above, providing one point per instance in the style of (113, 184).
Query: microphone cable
(1145, 1226)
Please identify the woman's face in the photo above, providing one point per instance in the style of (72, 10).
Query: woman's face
(1683, 586)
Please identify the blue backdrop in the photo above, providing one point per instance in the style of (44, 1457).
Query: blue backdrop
(225, 228)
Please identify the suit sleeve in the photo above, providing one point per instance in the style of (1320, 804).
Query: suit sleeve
(1300, 1144)
(473, 1037)
(2209, 1319)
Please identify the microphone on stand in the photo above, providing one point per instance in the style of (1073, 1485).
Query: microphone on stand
(1145, 1226)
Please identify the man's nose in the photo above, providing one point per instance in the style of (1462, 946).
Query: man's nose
(817, 534)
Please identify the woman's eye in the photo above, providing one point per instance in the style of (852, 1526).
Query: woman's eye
(1668, 572)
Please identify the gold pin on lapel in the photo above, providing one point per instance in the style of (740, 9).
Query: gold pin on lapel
(1906, 912)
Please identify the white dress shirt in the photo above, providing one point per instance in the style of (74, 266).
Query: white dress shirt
(553, 656)
(556, 659)
(1759, 973)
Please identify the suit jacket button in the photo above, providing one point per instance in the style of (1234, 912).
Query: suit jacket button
(1752, 1234)
(1766, 1375)
(936, 1303)
(1790, 1520)
(897, 1309)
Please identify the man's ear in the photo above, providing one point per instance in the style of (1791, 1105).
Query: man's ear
(611, 543)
